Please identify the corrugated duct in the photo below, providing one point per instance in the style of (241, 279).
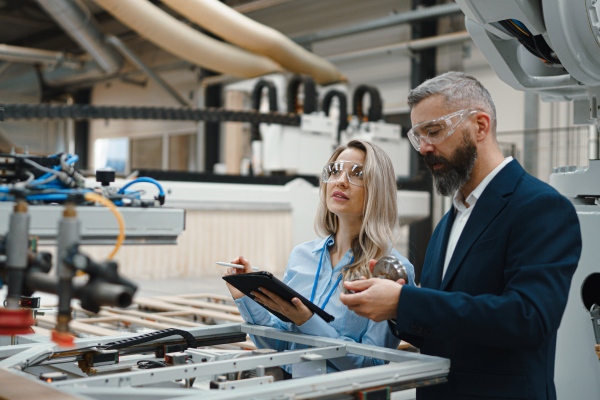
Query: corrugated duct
(185, 42)
(242, 31)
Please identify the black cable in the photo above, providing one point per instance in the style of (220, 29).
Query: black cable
(148, 337)
(343, 102)
(536, 45)
(310, 94)
(256, 98)
(375, 112)
(257, 95)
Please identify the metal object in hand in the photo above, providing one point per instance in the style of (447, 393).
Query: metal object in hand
(389, 267)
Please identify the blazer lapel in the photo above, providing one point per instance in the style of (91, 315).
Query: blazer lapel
(433, 275)
(492, 202)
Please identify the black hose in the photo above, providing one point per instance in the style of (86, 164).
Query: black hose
(375, 110)
(310, 95)
(257, 95)
(255, 99)
(343, 101)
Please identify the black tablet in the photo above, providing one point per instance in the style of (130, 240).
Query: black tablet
(251, 281)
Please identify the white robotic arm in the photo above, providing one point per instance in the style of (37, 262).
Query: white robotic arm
(551, 47)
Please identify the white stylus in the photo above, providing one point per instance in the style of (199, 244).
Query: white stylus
(224, 264)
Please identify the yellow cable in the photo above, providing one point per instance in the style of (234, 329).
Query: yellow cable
(89, 196)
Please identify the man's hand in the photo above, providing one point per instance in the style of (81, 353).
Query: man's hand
(296, 310)
(376, 299)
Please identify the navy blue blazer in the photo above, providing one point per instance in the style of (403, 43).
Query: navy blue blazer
(496, 312)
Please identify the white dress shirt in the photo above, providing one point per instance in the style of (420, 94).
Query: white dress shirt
(463, 213)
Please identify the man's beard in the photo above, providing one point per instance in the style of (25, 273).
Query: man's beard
(456, 172)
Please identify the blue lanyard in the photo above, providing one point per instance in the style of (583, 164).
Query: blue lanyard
(312, 296)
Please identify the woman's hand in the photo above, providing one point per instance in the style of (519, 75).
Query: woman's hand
(236, 271)
(296, 310)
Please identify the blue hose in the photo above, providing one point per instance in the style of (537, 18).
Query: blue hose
(161, 193)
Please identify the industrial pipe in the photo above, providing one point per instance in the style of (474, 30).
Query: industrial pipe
(408, 47)
(103, 293)
(242, 31)
(380, 23)
(185, 42)
(36, 56)
(127, 53)
(79, 24)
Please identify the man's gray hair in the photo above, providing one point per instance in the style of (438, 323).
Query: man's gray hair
(460, 91)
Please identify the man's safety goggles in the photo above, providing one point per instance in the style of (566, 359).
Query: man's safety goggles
(436, 130)
(335, 171)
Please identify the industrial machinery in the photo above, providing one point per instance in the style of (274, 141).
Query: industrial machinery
(50, 185)
(552, 47)
(290, 149)
(157, 366)
(371, 127)
(304, 149)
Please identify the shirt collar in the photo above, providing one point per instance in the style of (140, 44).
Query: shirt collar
(459, 200)
(319, 246)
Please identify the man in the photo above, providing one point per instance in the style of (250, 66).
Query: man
(499, 265)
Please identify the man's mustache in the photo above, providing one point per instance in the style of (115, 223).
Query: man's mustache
(431, 159)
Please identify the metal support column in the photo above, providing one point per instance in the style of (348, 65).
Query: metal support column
(212, 130)
(530, 146)
(423, 67)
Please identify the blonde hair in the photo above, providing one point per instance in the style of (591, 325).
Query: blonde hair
(380, 211)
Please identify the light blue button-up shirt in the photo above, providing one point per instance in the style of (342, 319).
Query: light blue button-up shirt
(300, 275)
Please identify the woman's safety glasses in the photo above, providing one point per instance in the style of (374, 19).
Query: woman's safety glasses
(436, 130)
(334, 171)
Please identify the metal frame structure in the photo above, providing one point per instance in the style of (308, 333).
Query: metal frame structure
(405, 370)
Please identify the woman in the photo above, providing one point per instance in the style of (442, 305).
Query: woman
(358, 212)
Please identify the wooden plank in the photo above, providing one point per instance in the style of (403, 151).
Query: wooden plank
(154, 316)
(106, 316)
(42, 331)
(248, 344)
(77, 326)
(206, 296)
(162, 305)
(199, 304)
(173, 313)
(93, 320)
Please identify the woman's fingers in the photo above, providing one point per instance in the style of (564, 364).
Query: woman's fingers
(300, 306)
(276, 298)
(266, 301)
(245, 263)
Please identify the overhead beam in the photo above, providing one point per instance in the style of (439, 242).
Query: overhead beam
(416, 15)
